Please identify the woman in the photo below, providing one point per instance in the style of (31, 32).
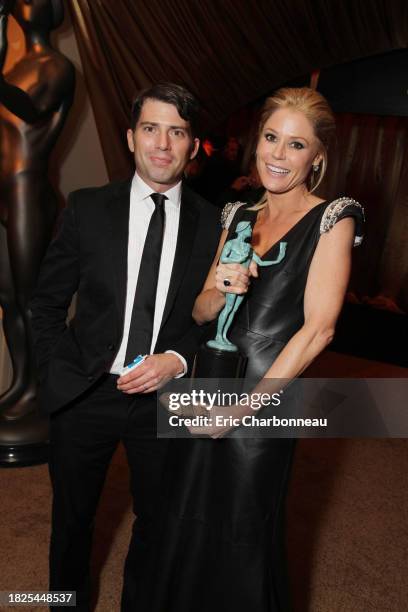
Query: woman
(223, 532)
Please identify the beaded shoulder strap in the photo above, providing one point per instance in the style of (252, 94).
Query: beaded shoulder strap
(228, 213)
(334, 210)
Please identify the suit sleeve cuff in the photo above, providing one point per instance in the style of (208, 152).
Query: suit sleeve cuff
(183, 361)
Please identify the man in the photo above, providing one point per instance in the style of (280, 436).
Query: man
(136, 260)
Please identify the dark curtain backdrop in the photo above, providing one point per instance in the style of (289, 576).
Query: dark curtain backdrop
(231, 52)
(370, 163)
(227, 52)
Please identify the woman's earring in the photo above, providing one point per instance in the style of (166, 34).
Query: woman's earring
(315, 167)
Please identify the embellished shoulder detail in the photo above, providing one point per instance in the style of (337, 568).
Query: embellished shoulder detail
(228, 213)
(339, 209)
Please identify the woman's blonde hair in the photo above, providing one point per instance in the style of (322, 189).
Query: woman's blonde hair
(316, 109)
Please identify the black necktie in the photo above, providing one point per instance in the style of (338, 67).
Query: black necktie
(141, 325)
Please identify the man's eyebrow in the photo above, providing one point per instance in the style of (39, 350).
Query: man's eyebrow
(171, 127)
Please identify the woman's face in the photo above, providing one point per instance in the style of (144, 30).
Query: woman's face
(287, 149)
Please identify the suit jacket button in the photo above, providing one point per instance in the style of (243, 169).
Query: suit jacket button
(111, 347)
(91, 378)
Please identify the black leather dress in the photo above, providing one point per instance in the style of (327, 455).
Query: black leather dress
(220, 542)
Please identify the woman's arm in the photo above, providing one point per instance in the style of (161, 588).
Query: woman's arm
(324, 295)
(211, 300)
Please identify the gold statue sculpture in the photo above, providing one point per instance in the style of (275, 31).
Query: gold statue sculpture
(35, 97)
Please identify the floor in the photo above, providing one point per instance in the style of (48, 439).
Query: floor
(347, 520)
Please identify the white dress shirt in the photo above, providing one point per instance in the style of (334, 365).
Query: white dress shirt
(140, 212)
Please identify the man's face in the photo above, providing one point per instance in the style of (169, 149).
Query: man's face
(162, 145)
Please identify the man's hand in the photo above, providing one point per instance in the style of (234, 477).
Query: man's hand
(154, 372)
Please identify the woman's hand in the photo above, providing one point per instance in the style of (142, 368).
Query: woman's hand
(219, 421)
(211, 426)
(211, 300)
(234, 278)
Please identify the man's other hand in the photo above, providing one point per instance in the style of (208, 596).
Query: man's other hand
(154, 372)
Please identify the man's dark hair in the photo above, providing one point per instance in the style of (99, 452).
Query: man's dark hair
(187, 106)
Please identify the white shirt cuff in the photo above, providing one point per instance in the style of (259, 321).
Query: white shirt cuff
(183, 361)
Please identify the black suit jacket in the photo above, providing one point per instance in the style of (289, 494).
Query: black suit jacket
(89, 256)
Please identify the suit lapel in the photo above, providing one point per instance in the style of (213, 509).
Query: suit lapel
(118, 209)
(189, 214)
